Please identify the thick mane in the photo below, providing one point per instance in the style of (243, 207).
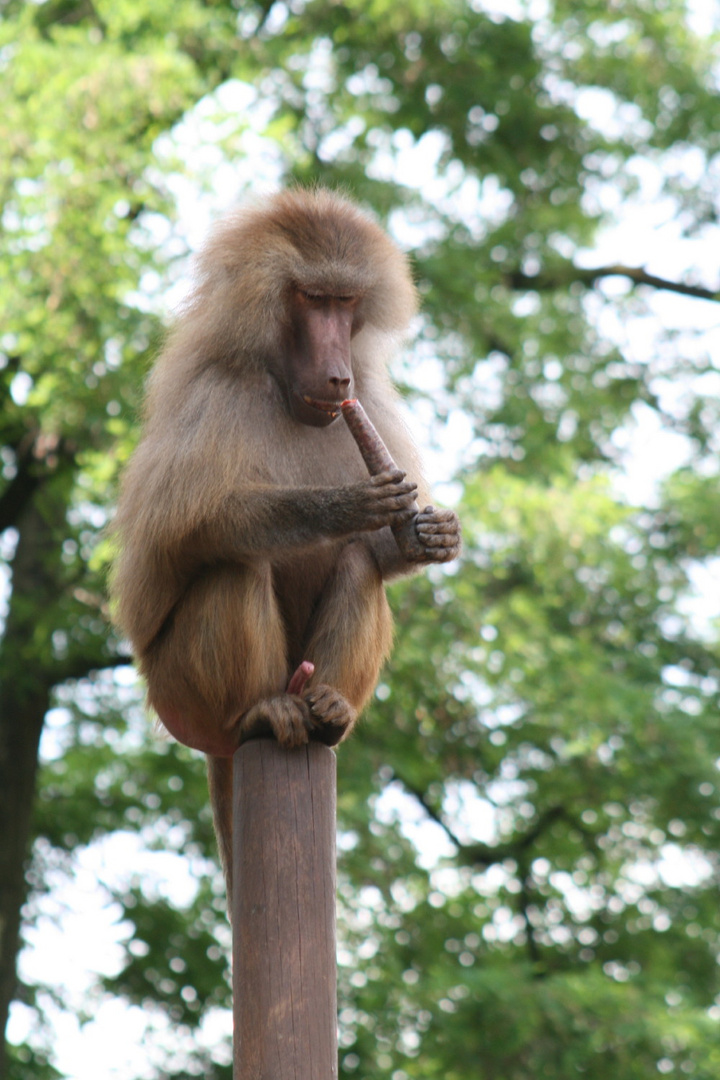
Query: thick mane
(254, 257)
(322, 242)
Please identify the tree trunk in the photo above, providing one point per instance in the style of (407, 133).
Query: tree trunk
(24, 700)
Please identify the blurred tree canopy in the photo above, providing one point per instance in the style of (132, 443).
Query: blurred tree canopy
(530, 813)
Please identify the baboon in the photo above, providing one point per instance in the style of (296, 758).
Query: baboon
(251, 537)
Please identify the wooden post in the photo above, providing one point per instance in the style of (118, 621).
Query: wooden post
(284, 962)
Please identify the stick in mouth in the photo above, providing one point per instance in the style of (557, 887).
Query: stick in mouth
(378, 459)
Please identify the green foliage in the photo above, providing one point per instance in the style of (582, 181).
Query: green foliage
(529, 813)
(154, 974)
(24, 1062)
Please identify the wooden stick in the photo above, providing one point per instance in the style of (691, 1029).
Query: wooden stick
(284, 965)
(378, 459)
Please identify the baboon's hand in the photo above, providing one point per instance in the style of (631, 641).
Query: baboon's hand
(439, 534)
(332, 715)
(385, 499)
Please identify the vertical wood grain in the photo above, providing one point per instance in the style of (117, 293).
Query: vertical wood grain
(284, 961)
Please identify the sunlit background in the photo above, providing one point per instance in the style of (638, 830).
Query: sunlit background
(459, 820)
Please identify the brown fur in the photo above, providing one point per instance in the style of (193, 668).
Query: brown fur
(251, 537)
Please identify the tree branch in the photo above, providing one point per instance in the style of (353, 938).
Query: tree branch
(79, 666)
(484, 854)
(516, 279)
(525, 902)
(432, 813)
